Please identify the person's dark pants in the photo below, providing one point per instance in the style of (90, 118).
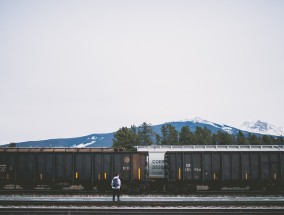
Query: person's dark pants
(115, 192)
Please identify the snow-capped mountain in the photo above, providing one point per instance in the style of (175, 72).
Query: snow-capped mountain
(105, 140)
(197, 121)
(262, 128)
(93, 140)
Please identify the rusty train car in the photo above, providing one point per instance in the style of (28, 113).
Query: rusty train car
(63, 167)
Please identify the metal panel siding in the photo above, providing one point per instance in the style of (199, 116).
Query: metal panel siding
(282, 166)
(83, 166)
(87, 167)
(12, 166)
(179, 166)
(78, 166)
(30, 163)
(216, 166)
(21, 167)
(274, 160)
(4, 165)
(97, 166)
(25, 168)
(246, 165)
(227, 166)
(49, 158)
(143, 166)
(59, 167)
(117, 163)
(255, 166)
(44, 167)
(265, 168)
(197, 166)
(207, 165)
(40, 167)
(107, 166)
(236, 166)
(68, 167)
(172, 166)
(138, 166)
(63, 167)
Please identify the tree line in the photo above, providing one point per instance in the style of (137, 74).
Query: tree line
(144, 135)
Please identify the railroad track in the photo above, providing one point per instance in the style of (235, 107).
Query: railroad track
(147, 201)
(95, 192)
(137, 211)
(10, 204)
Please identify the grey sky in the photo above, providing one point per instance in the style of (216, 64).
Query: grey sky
(72, 68)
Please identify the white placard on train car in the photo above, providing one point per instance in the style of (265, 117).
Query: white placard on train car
(156, 165)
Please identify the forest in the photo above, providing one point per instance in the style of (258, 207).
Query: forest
(144, 135)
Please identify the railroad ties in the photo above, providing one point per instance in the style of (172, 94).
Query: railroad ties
(10, 204)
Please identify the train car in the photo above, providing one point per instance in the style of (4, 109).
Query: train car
(157, 178)
(63, 167)
(256, 167)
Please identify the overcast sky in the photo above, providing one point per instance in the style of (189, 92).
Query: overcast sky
(73, 68)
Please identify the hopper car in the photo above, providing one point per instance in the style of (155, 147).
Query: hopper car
(182, 168)
(64, 167)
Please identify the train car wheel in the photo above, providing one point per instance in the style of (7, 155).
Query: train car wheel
(125, 188)
(56, 187)
(214, 188)
(88, 186)
(101, 188)
(27, 186)
(258, 186)
(145, 188)
(191, 188)
(171, 188)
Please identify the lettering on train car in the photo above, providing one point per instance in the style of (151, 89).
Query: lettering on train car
(158, 164)
(3, 168)
(125, 168)
(187, 167)
(197, 169)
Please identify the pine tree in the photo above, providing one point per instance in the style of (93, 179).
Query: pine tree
(241, 139)
(203, 136)
(124, 138)
(12, 145)
(164, 135)
(277, 140)
(252, 139)
(158, 139)
(185, 136)
(134, 137)
(267, 140)
(173, 135)
(145, 134)
(169, 135)
(223, 138)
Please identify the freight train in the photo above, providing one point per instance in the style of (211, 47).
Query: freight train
(64, 167)
(184, 168)
(150, 168)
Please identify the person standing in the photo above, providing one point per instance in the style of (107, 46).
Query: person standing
(115, 185)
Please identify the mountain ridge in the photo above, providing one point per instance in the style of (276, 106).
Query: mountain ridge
(105, 139)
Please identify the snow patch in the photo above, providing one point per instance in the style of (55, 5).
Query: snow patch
(203, 121)
(83, 145)
(228, 129)
(92, 138)
(262, 128)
